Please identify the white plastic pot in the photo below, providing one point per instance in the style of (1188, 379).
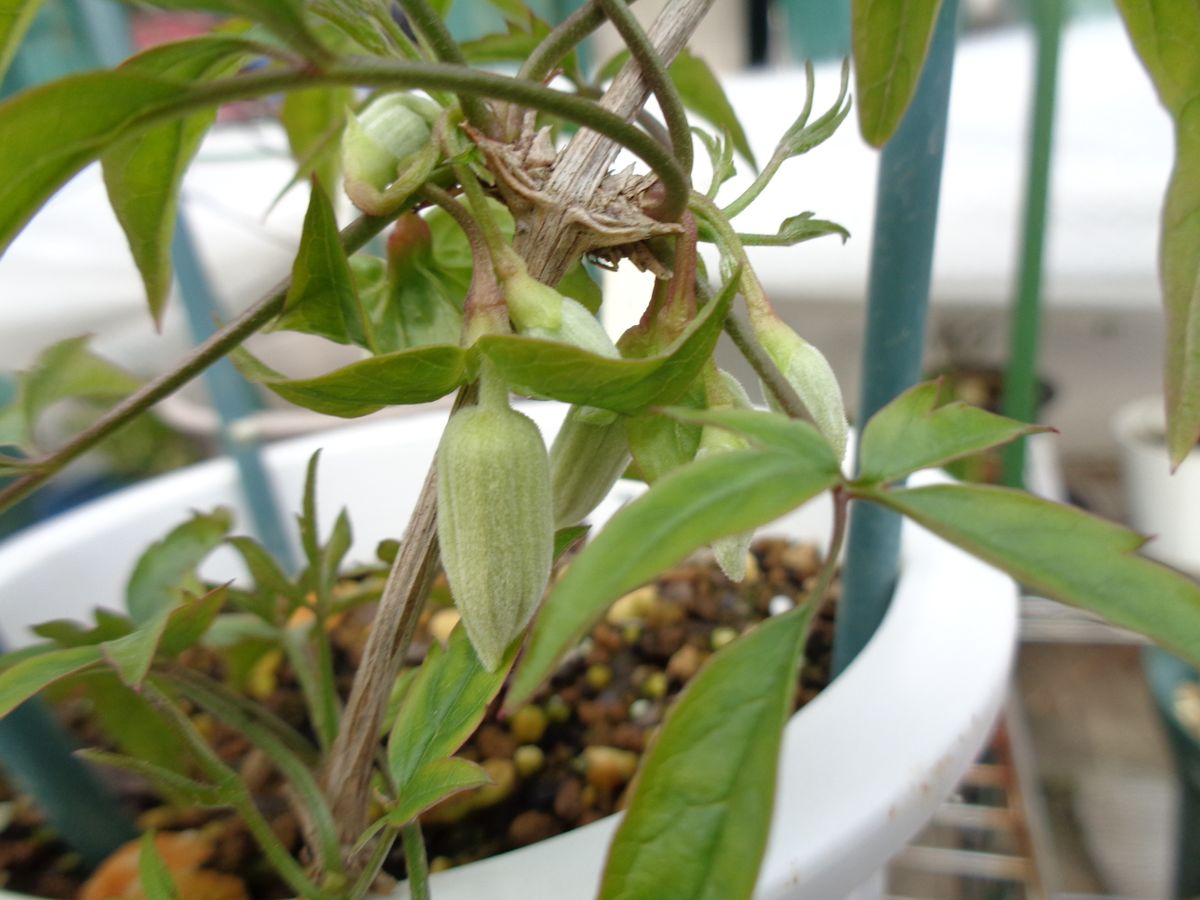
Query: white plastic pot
(863, 766)
(1163, 505)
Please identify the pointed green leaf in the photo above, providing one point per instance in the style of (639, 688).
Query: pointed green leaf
(129, 721)
(86, 114)
(580, 287)
(416, 309)
(914, 432)
(167, 567)
(170, 782)
(312, 120)
(768, 430)
(566, 538)
(64, 371)
(661, 444)
(1165, 36)
(143, 174)
(1064, 553)
(132, 655)
(266, 572)
(361, 388)
(890, 38)
(698, 819)
(702, 93)
(153, 875)
(69, 633)
(443, 706)
(322, 299)
(15, 18)
(310, 538)
(568, 373)
(715, 496)
(20, 682)
(433, 783)
(796, 230)
(190, 621)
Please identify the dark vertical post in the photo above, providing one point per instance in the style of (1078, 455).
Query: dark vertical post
(910, 171)
(1020, 383)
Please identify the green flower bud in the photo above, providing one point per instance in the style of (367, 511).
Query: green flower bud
(731, 551)
(809, 374)
(576, 327)
(495, 524)
(588, 456)
(387, 151)
(532, 304)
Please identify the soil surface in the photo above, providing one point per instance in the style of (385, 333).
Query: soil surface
(561, 762)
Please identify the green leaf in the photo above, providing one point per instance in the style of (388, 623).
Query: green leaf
(720, 158)
(86, 114)
(143, 174)
(913, 432)
(69, 633)
(433, 783)
(266, 572)
(67, 370)
(568, 373)
(15, 18)
(566, 538)
(310, 537)
(768, 430)
(702, 93)
(153, 875)
(132, 655)
(795, 230)
(713, 497)
(660, 444)
(322, 299)
(890, 40)
(129, 721)
(361, 388)
(698, 819)
(1165, 36)
(166, 780)
(1064, 553)
(415, 309)
(312, 120)
(167, 567)
(20, 682)
(190, 621)
(285, 18)
(444, 705)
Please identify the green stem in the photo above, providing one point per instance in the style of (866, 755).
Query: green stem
(354, 236)
(730, 245)
(765, 368)
(502, 254)
(562, 40)
(430, 76)
(383, 846)
(778, 158)
(657, 77)
(414, 858)
(430, 26)
(841, 505)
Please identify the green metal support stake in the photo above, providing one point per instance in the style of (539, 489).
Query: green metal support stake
(910, 174)
(1020, 384)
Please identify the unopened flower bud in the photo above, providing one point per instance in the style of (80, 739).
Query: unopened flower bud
(809, 374)
(589, 454)
(531, 304)
(387, 145)
(577, 327)
(410, 243)
(495, 523)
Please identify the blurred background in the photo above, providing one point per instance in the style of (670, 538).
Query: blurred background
(1079, 795)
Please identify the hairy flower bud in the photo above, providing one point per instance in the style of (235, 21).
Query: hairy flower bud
(579, 328)
(809, 374)
(532, 304)
(589, 454)
(495, 523)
